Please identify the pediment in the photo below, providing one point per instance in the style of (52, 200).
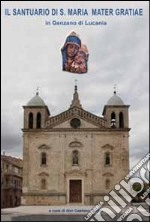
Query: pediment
(88, 120)
(43, 147)
(43, 174)
(84, 124)
(75, 144)
(108, 147)
(75, 173)
(108, 174)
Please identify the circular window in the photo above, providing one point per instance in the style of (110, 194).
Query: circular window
(75, 123)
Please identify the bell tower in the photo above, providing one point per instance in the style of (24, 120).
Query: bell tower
(115, 112)
(35, 113)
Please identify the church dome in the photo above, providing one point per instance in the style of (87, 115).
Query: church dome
(115, 101)
(36, 101)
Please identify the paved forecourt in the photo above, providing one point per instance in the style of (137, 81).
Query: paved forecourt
(50, 213)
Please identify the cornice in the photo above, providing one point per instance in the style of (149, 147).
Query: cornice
(76, 130)
(72, 113)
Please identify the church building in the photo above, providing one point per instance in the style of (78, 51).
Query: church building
(75, 157)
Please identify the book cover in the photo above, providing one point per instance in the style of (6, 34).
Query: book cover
(75, 106)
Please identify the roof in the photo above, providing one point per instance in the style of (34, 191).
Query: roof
(115, 101)
(36, 101)
(12, 160)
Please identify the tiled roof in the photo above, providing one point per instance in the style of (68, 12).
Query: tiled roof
(12, 160)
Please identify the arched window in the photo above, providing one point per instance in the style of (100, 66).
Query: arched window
(121, 120)
(43, 158)
(107, 184)
(113, 120)
(75, 157)
(38, 121)
(30, 121)
(43, 184)
(107, 158)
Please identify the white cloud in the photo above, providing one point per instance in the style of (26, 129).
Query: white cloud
(31, 57)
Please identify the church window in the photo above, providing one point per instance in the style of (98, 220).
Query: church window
(113, 120)
(75, 157)
(107, 184)
(38, 121)
(30, 120)
(43, 184)
(43, 159)
(107, 159)
(121, 120)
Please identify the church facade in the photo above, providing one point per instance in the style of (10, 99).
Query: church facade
(75, 157)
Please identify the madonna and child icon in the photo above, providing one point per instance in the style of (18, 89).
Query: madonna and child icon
(74, 55)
